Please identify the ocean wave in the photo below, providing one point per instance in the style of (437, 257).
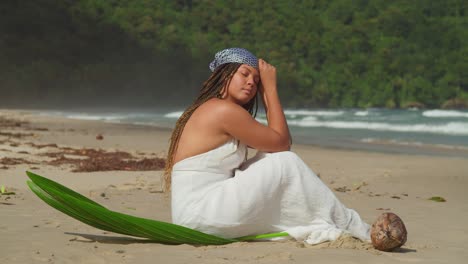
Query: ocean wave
(94, 117)
(362, 113)
(452, 128)
(412, 143)
(444, 113)
(312, 113)
(263, 120)
(393, 141)
(176, 114)
(309, 118)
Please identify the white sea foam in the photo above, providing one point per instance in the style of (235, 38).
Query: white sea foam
(341, 123)
(452, 128)
(444, 113)
(312, 113)
(369, 140)
(174, 114)
(362, 113)
(412, 143)
(262, 120)
(392, 141)
(95, 117)
(309, 118)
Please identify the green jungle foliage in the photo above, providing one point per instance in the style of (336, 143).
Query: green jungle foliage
(329, 53)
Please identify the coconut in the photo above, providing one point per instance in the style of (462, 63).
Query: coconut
(388, 232)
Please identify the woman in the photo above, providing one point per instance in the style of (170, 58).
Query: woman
(217, 191)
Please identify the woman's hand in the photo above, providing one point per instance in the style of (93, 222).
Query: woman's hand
(267, 76)
(239, 124)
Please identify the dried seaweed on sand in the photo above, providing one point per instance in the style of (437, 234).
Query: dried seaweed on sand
(88, 160)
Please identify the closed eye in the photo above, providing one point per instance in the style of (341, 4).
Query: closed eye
(246, 72)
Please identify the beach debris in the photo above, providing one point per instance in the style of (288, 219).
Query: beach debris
(388, 232)
(99, 137)
(89, 160)
(155, 190)
(16, 135)
(437, 199)
(3, 191)
(383, 209)
(15, 161)
(81, 239)
(395, 197)
(342, 189)
(39, 146)
(8, 122)
(15, 123)
(358, 186)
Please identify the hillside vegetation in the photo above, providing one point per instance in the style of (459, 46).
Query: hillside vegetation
(328, 53)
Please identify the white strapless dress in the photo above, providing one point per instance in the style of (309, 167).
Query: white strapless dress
(221, 193)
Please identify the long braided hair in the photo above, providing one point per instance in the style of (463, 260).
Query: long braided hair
(213, 87)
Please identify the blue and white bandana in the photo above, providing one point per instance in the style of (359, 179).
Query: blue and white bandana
(239, 55)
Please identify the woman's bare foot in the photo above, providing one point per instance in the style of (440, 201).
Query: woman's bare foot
(388, 232)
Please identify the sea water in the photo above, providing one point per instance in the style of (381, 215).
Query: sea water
(413, 131)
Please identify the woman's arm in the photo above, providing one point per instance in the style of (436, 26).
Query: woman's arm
(238, 123)
(271, 101)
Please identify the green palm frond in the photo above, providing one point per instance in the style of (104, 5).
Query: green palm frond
(89, 212)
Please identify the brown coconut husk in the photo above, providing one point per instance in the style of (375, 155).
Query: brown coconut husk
(388, 232)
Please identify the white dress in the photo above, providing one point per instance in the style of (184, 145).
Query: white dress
(221, 193)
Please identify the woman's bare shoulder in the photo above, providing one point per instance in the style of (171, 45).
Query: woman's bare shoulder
(218, 108)
(216, 103)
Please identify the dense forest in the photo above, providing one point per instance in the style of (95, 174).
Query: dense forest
(329, 53)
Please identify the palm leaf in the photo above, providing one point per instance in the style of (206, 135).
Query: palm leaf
(68, 202)
(89, 212)
(64, 209)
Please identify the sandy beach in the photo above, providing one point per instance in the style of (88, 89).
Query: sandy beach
(369, 182)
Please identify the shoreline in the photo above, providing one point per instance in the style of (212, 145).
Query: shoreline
(370, 145)
(369, 182)
(392, 148)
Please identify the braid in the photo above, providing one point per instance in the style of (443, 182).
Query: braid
(212, 88)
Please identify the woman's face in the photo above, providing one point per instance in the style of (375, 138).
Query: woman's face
(243, 85)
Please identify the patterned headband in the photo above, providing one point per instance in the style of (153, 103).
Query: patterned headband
(234, 55)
